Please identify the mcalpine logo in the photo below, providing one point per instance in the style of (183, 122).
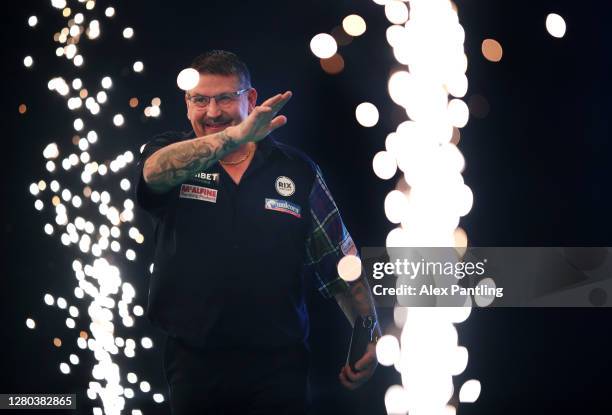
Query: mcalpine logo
(198, 193)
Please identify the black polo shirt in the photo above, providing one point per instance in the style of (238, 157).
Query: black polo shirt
(229, 259)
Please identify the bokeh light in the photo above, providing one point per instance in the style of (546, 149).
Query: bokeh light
(384, 165)
(333, 65)
(128, 33)
(354, 25)
(349, 267)
(323, 46)
(187, 79)
(479, 106)
(492, 50)
(366, 114)
(458, 113)
(106, 82)
(118, 120)
(470, 391)
(388, 350)
(396, 11)
(138, 66)
(396, 400)
(340, 36)
(555, 25)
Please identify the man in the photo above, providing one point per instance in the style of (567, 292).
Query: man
(238, 218)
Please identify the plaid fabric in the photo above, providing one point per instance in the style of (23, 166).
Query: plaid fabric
(328, 240)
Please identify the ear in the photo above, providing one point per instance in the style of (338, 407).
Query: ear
(252, 97)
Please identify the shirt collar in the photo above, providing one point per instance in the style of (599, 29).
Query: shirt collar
(268, 146)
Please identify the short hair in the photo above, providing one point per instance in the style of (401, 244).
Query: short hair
(221, 62)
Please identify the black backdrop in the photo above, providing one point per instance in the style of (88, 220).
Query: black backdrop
(537, 164)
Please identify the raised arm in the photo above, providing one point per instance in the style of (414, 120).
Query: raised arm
(174, 164)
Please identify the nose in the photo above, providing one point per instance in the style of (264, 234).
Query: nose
(212, 110)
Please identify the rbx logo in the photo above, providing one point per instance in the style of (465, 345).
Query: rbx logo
(285, 186)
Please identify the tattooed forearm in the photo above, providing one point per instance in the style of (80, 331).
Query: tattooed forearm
(357, 300)
(178, 162)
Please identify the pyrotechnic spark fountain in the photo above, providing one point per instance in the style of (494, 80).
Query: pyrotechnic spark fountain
(96, 218)
(427, 39)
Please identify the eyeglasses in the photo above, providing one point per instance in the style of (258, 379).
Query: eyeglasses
(223, 100)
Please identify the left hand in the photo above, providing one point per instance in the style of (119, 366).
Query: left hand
(261, 121)
(365, 368)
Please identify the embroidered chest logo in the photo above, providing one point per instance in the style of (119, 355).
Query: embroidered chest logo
(198, 193)
(211, 179)
(284, 206)
(285, 186)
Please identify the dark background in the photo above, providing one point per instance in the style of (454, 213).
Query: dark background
(537, 164)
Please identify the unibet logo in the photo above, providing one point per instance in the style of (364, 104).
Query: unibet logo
(210, 178)
(285, 186)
